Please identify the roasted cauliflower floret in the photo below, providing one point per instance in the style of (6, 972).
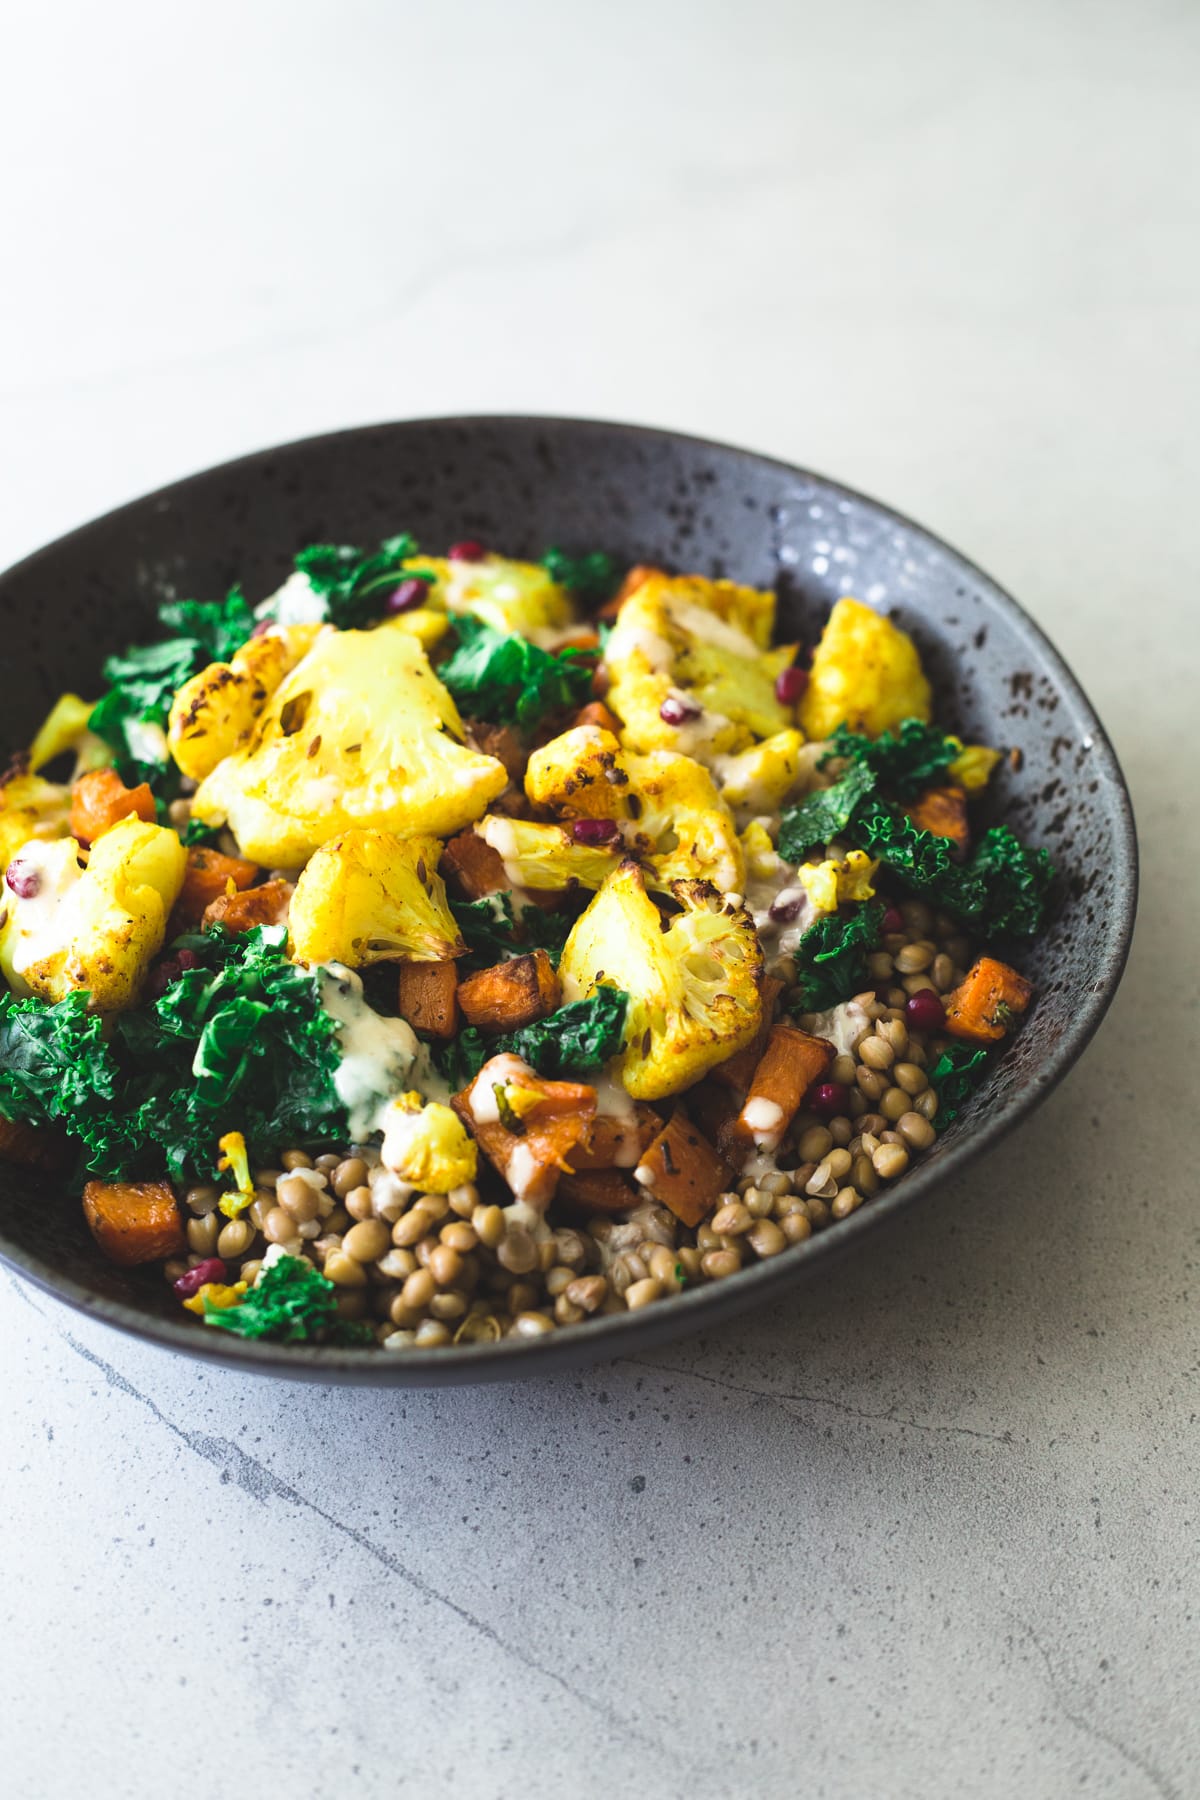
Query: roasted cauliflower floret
(426, 1144)
(580, 775)
(865, 674)
(428, 624)
(65, 728)
(972, 767)
(31, 808)
(361, 733)
(547, 856)
(215, 712)
(682, 828)
(369, 896)
(507, 595)
(695, 649)
(693, 983)
(760, 779)
(832, 883)
(95, 928)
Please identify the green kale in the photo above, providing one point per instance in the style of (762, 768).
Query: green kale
(494, 934)
(923, 861)
(355, 585)
(504, 678)
(954, 1077)
(219, 627)
(904, 763)
(290, 1302)
(831, 958)
(823, 815)
(1001, 889)
(591, 579)
(240, 1042)
(575, 1040)
(195, 834)
(1015, 882)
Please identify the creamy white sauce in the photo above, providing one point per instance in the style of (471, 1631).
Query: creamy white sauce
(844, 1026)
(379, 1056)
(147, 741)
(399, 1130)
(42, 924)
(763, 1119)
(297, 602)
(760, 1162)
(629, 636)
(711, 628)
(522, 1170)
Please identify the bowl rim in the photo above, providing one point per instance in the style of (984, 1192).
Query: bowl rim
(609, 1337)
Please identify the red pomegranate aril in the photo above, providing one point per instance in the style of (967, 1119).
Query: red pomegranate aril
(164, 973)
(828, 1099)
(211, 1269)
(468, 550)
(677, 712)
(785, 907)
(262, 628)
(790, 684)
(23, 879)
(594, 831)
(893, 921)
(409, 594)
(924, 1012)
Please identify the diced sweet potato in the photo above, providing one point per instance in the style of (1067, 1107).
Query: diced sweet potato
(511, 994)
(100, 800)
(584, 638)
(637, 576)
(789, 1065)
(596, 713)
(502, 742)
(265, 905)
(134, 1221)
(473, 867)
(598, 1190)
(526, 1127)
(429, 997)
(682, 1169)
(737, 1071)
(986, 1002)
(943, 811)
(32, 1146)
(205, 879)
(618, 1142)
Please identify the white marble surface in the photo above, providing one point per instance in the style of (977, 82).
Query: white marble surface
(927, 1531)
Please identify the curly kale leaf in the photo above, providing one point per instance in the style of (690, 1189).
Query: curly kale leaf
(591, 579)
(502, 677)
(823, 815)
(494, 933)
(831, 958)
(954, 1077)
(459, 1061)
(903, 764)
(354, 584)
(576, 1040)
(1002, 889)
(290, 1302)
(240, 1042)
(1015, 882)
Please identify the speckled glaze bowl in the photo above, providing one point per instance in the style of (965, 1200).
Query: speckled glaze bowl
(648, 496)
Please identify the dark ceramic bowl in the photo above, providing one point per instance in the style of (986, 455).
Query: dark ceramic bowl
(648, 496)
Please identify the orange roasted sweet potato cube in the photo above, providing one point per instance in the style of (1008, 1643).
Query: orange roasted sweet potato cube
(100, 800)
(526, 1127)
(943, 811)
(206, 878)
(473, 867)
(790, 1063)
(737, 1071)
(682, 1169)
(429, 997)
(986, 1002)
(134, 1221)
(265, 905)
(598, 1190)
(596, 713)
(511, 994)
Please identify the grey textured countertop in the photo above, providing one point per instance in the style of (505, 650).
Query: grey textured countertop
(930, 1529)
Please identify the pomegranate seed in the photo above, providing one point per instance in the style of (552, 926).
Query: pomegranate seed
(785, 907)
(164, 973)
(677, 712)
(262, 628)
(410, 593)
(893, 921)
(211, 1269)
(469, 550)
(828, 1099)
(594, 831)
(23, 880)
(924, 1011)
(790, 684)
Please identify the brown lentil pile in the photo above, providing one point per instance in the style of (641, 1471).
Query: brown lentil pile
(432, 1270)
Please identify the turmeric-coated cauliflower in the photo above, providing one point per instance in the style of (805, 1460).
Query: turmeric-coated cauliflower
(369, 896)
(693, 982)
(682, 828)
(972, 767)
(215, 712)
(361, 733)
(546, 856)
(760, 779)
(831, 884)
(507, 595)
(689, 668)
(31, 808)
(580, 774)
(96, 928)
(427, 1145)
(865, 674)
(64, 728)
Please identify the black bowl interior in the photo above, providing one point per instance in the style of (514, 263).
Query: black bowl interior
(648, 496)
